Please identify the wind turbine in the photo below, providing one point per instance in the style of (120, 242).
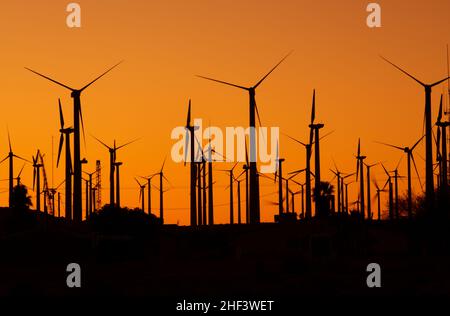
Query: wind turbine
(189, 140)
(11, 157)
(410, 156)
(369, 200)
(344, 187)
(429, 187)
(161, 192)
(280, 184)
(359, 170)
(315, 128)
(117, 165)
(90, 198)
(18, 176)
(377, 196)
(389, 181)
(230, 186)
(141, 193)
(65, 133)
(149, 192)
(339, 177)
(254, 187)
(76, 96)
(442, 128)
(37, 178)
(112, 160)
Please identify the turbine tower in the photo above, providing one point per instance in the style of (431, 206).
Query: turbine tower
(429, 186)
(360, 170)
(253, 109)
(112, 160)
(11, 157)
(76, 96)
(410, 156)
(65, 133)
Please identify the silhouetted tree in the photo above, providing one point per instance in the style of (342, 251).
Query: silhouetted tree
(323, 198)
(20, 198)
(123, 220)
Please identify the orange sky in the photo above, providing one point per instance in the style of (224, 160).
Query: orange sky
(164, 45)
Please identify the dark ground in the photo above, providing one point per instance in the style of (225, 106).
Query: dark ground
(326, 258)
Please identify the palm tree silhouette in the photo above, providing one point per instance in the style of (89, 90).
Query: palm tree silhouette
(323, 197)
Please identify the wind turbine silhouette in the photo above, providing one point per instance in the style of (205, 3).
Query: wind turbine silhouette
(36, 179)
(117, 165)
(112, 160)
(161, 191)
(254, 187)
(149, 192)
(189, 140)
(65, 133)
(346, 194)
(18, 176)
(410, 156)
(442, 128)
(369, 199)
(389, 181)
(429, 186)
(307, 175)
(77, 114)
(315, 128)
(360, 170)
(280, 184)
(11, 157)
(230, 186)
(141, 193)
(339, 177)
(90, 198)
(377, 196)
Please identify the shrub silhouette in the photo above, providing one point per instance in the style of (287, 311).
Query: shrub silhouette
(20, 198)
(114, 220)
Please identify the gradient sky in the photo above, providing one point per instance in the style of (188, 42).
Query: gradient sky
(165, 44)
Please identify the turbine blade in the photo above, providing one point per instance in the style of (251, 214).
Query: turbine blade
(48, 78)
(188, 120)
(393, 146)
(246, 153)
(139, 184)
(4, 159)
(164, 162)
(61, 141)
(101, 142)
(440, 111)
(409, 75)
(9, 142)
(82, 126)
(295, 140)
(126, 144)
(313, 107)
(387, 173)
(417, 143)
(327, 134)
(21, 158)
(20, 172)
(439, 82)
(85, 87)
(34, 177)
(186, 145)
(264, 78)
(223, 82)
(417, 172)
(61, 117)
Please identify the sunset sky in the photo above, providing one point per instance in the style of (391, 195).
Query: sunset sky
(164, 44)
